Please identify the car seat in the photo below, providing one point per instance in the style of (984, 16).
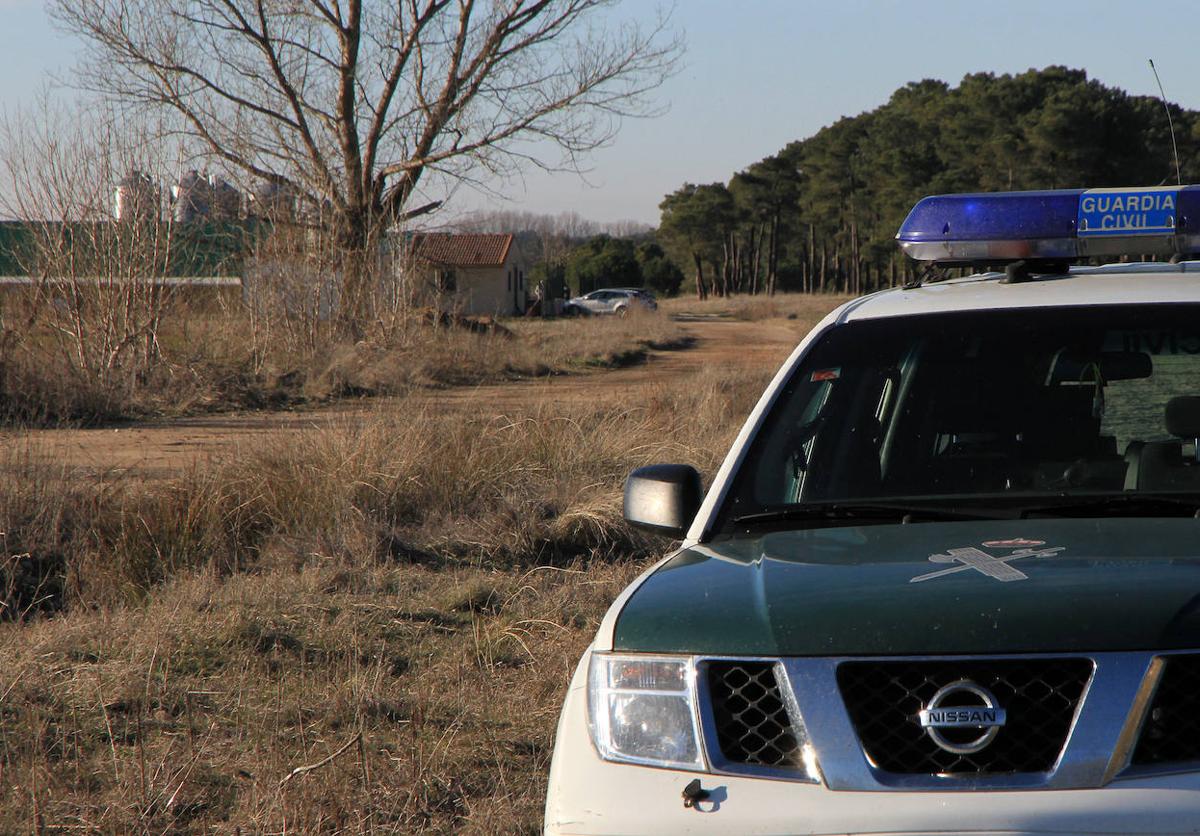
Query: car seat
(1161, 465)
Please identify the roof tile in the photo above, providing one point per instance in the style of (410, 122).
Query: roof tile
(476, 249)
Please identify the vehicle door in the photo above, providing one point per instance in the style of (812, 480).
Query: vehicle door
(597, 301)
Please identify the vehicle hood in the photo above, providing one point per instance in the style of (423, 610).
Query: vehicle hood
(1115, 584)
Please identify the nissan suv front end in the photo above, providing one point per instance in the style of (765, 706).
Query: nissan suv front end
(947, 580)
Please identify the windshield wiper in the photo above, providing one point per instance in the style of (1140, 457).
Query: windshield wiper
(1119, 505)
(877, 511)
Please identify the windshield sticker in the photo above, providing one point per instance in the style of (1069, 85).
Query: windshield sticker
(1158, 343)
(1012, 544)
(825, 374)
(995, 567)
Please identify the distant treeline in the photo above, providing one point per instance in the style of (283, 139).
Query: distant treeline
(822, 213)
(583, 254)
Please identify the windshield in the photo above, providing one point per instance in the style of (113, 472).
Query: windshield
(1018, 406)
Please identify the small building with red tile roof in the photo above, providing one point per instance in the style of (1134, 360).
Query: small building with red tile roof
(470, 273)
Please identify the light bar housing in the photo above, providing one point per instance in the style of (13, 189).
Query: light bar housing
(997, 228)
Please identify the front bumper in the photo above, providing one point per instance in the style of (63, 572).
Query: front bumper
(589, 796)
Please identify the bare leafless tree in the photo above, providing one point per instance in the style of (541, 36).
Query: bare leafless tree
(92, 290)
(353, 103)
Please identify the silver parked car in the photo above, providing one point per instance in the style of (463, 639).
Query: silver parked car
(610, 300)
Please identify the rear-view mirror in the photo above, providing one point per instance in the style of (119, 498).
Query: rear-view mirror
(1073, 367)
(663, 498)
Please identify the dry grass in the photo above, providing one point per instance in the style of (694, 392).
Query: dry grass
(398, 603)
(216, 359)
(520, 348)
(439, 689)
(802, 306)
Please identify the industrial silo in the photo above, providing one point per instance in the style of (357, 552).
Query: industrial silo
(191, 198)
(274, 202)
(225, 200)
(137, 198)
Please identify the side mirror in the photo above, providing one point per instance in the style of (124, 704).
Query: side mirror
(663, 498)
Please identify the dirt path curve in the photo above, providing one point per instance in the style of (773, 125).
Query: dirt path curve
(162, 449)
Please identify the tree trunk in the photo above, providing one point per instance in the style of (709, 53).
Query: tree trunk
(855, 261)
(811, 270)
(729, 264)
(773, 255)
(701, 290)
(838, 275)
(354, 242)
(823, 280)
(756, 256)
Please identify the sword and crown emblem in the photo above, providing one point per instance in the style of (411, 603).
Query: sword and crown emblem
(997, 567)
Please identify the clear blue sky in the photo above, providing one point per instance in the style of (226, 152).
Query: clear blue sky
(760, 73)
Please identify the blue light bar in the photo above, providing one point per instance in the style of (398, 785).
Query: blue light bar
(1060, 224)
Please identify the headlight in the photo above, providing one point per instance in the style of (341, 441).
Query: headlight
(641, 709)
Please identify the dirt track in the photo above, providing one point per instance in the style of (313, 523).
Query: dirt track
(163, 449)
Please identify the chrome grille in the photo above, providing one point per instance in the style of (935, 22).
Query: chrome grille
(1040, 696)
(751, 720)
(1171, 733)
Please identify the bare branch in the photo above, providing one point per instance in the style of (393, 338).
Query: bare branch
(356, 101)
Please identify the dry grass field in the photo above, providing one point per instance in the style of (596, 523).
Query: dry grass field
(212, 360)
(362, 627)
(801, 307)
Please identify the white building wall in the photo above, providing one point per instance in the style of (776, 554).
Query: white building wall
(487, 290)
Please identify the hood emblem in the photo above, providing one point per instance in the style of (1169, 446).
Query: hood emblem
(969, 712)
(995, 567)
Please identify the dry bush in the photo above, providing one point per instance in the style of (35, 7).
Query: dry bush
(409, 595)
(604, 341)
(202, 362)
(212, 355)
(39, 385)
(79, 336)
(424, 355)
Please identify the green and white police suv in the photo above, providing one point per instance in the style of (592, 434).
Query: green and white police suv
(948, 578)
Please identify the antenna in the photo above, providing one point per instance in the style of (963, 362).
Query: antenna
(1170, 124)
